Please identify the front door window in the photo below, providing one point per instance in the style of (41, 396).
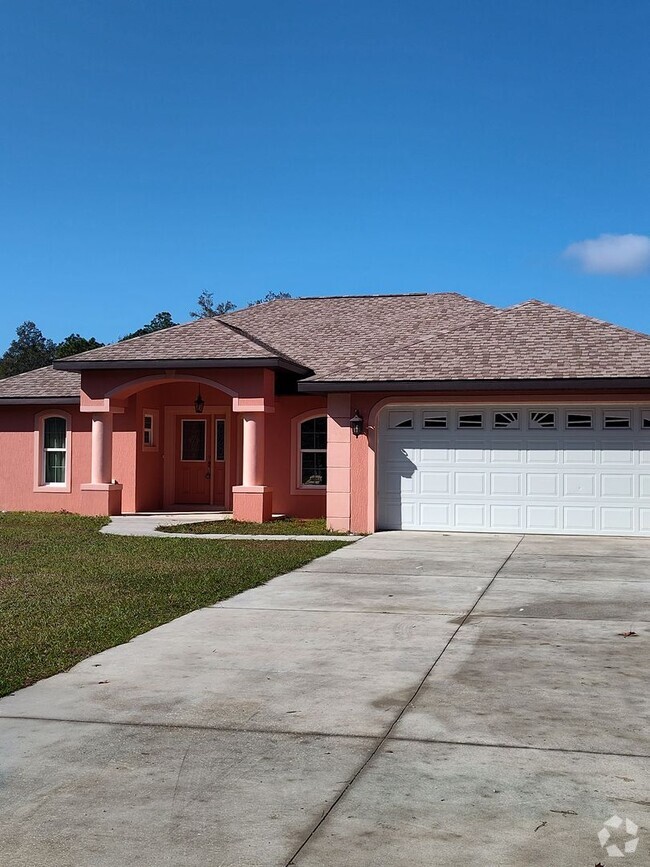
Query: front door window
(193, 442)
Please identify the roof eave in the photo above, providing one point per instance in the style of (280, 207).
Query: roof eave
(168, 363)
(561, 384)
(55, 401)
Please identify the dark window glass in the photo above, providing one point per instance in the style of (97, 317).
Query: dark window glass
(193, 447)
(470, 420)
(314, 468)
(220, 448)
(55, 468)
(54, 437)
(54, 433)
(313, 433)
(577, 419)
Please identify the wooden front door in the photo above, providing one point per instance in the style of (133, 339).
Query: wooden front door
(201, 461)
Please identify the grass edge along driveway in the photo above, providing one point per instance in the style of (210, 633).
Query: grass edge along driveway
(68, 591)
(278, 526)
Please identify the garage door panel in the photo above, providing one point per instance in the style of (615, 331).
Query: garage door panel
(470, 516)
(470, 483)
(434, 515)
(617, 519)
(432, 482)
(617, 485)
(542, 519)
(612, 456)
(507, 518)
(505, 484)
(552, 480)
(579, 485)
(542, 484)
(469, 456)
(507, 456)
(542, 456)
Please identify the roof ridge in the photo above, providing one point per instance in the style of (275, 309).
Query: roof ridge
(593, 319)
(256, 340)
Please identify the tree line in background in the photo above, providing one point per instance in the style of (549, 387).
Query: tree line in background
(31, 349)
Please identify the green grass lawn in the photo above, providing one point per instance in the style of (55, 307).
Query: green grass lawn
(279, 527)
(67, 591)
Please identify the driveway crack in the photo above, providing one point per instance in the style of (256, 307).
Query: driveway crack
(382, 740)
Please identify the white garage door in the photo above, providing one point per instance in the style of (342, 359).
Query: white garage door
(512, 468)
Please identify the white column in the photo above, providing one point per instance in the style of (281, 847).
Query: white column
(253, 449)
(101, 466)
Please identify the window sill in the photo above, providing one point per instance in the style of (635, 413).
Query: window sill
(309, 489)
(52, 488)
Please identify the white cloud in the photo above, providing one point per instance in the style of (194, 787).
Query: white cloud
(625, 255)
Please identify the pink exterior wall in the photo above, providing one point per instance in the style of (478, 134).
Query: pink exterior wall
(141, 472)
(282, 452)
(17, 471)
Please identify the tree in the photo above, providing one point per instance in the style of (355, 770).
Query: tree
(28, 351)
(75, 343)
(271, 296)
(160, 321)
(207, 307)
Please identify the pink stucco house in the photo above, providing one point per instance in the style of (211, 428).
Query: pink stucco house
(422, 411)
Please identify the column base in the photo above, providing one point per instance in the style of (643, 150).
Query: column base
(102, 499)
(252, 503)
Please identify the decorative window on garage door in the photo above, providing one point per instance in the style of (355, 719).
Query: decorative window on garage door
(584, 420)
(505, 419)
(617, 419)
(539, 419)
(434, 420)
(399, 419)
(470, 420)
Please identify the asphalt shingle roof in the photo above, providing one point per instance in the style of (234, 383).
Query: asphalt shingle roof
(204, 339)
(532, 340)
(45, 382)
(380, 338)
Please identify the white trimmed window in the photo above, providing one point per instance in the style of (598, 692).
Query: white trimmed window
(55, 450)
(313, 453)
(150, 430)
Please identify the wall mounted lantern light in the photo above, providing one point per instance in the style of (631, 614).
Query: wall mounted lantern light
(356, 423)
(199, 403)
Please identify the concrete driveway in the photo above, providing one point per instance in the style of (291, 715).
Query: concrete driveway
(412, 699)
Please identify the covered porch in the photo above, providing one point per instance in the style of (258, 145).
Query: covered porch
(182, 440)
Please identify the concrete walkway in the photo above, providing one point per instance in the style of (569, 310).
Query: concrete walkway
(407, 701)
(145, 525)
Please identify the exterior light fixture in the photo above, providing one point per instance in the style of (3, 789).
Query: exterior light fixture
(199, 403)
(356, 423)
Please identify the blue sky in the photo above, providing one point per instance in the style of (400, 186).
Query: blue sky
(150, 149)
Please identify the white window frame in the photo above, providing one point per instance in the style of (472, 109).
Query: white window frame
(153, 445)
(302, 451)
(40, 485)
